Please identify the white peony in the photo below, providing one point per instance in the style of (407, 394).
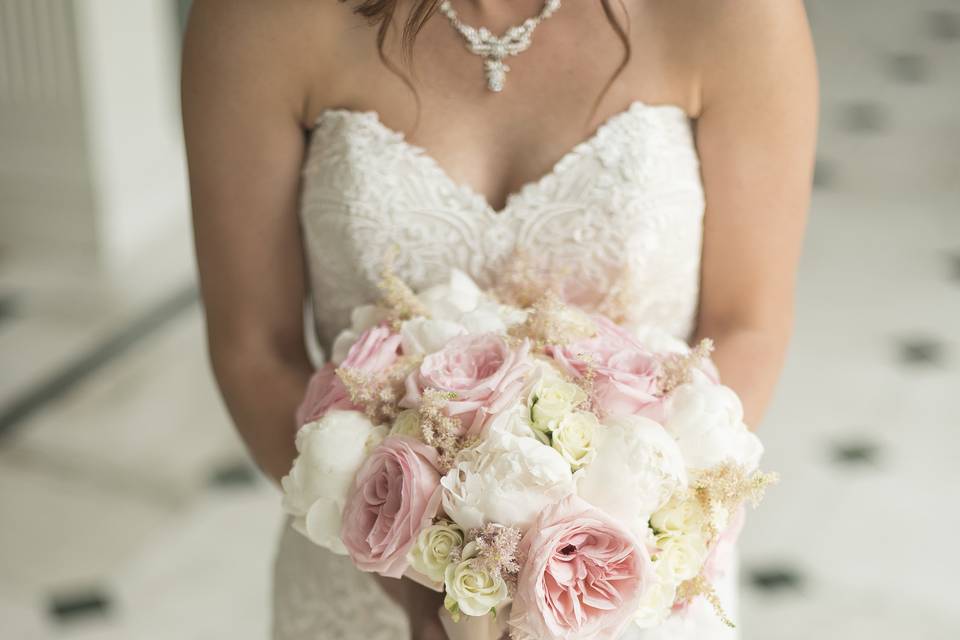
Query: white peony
(707, 422)
(656, 604)
(361, 319)
(679, 557)
(470, 589)
(455, 308)
(637, 468)
(575, 438)
(330, 452)
(421, 336)
(506, 479)
(430, 555)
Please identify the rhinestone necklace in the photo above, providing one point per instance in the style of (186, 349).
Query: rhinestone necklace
(494, 49)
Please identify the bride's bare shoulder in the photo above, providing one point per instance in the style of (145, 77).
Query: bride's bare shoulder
(289, 45)
(730, 43)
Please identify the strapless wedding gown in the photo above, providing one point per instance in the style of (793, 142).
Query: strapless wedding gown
(623, 208)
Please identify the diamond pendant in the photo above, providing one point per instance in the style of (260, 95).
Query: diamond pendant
(496, 71)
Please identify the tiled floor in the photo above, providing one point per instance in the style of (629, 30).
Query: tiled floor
(128, 510)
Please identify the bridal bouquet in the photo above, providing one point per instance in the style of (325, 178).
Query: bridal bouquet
(533, 462)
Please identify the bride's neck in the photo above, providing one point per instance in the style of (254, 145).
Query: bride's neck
(498, 8)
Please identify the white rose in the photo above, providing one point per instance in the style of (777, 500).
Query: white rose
(707, 422)
(471, 590)
(575, 438)
(407, 423)
(637, 468)
(330, 452)
(679, 517)
(506, 479)
(679, 557)
(431, 553)
(656, 604)
(361, 319)
(551, 399)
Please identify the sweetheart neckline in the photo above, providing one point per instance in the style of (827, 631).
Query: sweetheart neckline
(477, 198)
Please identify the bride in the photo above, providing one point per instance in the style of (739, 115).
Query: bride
(662, 148)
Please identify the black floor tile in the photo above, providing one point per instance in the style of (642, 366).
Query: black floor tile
(920, 351)
(68, 606)
(235, 474)
(944, 24)
(856, 452)
(864, 117)
(908, 68)
(775, 579)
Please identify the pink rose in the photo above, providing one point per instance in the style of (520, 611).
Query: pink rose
(625, 373)
(395, 495)
(583, 576)
(486, 375)
(374, 352)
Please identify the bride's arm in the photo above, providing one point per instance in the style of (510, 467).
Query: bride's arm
(241, 117)
(756, 138)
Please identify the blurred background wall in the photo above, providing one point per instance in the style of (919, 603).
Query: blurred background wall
(128, 508)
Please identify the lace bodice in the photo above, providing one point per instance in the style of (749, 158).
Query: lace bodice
(622, 208)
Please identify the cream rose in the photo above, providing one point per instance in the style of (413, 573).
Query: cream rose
(574, 438)
(470, 589)
(314, 492)
(506, 479)
(636, 469)
(551, 399)
(679, 516)
(431, 553)
(679, 557)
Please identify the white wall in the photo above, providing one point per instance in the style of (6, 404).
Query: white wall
(91, 163)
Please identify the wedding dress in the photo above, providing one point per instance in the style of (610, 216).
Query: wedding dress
(622, 209)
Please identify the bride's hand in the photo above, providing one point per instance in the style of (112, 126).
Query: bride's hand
(420, 604)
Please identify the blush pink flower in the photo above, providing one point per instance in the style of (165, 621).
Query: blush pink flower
(624, 372)
(484, 373)
(395, 495)
(373, 353)
(583, 576)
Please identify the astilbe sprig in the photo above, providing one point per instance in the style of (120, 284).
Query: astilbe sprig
(498, 552)
(396, 296)
(378, 395)
(440, 430)
(701, 586)
(677, 369)
(550, 322)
